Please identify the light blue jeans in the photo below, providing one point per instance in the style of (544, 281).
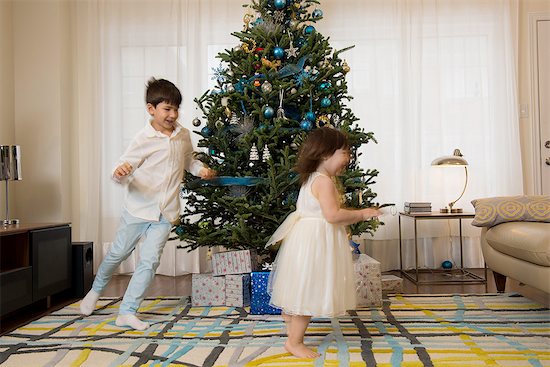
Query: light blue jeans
(129, 232)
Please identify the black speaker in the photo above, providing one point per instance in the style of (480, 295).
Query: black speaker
(83, 267)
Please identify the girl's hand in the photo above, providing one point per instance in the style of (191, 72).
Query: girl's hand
(123, 170)
(370, 213)
(207, 173)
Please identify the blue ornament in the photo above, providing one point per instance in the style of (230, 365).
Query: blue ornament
(324, 86)
(326, 102)
(310, 116)
(306, 125)
(309, 29)
(205, 131)
(263, 127)
(317, 13)
(268, 112)
(447, 264)
(180, 230)
(258, 21)
(279, 4)
(300, 42)
(278, 52)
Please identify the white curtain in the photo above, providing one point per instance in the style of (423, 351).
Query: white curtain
(426, 76)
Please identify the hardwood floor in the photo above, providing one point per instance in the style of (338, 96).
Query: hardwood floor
(181, 286)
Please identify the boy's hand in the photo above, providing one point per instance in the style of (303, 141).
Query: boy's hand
(207, 173)
(123, 170)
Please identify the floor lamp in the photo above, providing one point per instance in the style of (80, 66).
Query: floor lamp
(10, 170)
(454, 160)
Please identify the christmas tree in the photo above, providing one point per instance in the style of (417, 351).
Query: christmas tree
(279, 82)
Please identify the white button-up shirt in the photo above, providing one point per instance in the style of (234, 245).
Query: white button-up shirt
(159, 163)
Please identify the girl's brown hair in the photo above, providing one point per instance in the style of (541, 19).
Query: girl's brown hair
(319, 144)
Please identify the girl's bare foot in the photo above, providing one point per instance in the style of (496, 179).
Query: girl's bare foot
(300, 350)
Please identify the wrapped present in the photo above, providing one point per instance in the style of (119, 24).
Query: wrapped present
(234, 262)
(237, 290)
(207, 290)
(259, 303)
(392, 284)
(368, 281)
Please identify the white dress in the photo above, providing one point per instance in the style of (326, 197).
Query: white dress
(313, 272)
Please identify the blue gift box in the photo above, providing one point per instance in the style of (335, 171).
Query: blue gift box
(259, 303)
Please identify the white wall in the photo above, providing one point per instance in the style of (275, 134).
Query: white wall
(525, 87)
(7, 123)
(7, 132)
(42, 109)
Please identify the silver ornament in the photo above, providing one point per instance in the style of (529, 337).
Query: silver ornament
(230, 88)
(196, 122)
(267, 87)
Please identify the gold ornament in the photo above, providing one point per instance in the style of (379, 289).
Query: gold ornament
(247, 18)
(345, 67)
(323, 120)
(246, 48)
(271, 64)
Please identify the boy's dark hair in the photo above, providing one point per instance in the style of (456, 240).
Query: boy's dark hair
(319, 144)
(162, 90)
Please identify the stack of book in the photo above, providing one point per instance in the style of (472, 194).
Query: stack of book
(417, 207)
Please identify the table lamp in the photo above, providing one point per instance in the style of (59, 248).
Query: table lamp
(10, 170)
(454, 160)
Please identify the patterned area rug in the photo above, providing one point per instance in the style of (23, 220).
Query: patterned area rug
(409, 330)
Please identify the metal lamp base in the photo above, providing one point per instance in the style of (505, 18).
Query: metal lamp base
(453, 210)
(10, 221)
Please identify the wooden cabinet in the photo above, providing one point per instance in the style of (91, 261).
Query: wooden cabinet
(35, 262)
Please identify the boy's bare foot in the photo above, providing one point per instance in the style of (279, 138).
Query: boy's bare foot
(300, 350)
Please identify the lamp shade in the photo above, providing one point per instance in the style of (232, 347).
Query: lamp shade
(10, 163)
(451, 160)
(4, 162)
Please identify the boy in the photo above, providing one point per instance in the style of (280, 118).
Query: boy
(151, 169)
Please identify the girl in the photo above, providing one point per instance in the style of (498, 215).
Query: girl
(313, 273)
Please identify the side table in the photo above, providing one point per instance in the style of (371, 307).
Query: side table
(440, 276)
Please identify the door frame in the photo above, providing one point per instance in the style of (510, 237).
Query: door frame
(534, 18)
